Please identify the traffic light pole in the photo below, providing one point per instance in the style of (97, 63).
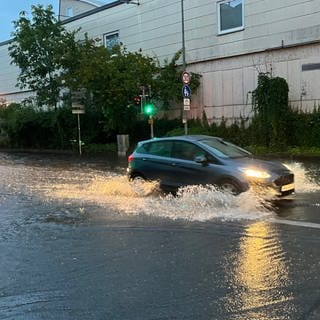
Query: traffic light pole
(147, 107)
(151, 127)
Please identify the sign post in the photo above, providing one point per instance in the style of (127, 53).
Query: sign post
(186, 95)
(78, 109)
(77, 98)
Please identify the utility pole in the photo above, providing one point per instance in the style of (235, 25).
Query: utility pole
(184, 112)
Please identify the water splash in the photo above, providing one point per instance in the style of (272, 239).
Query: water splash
(305, 181)
(194, 203)
(114, 194)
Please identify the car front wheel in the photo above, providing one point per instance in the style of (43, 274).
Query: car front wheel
(230, 186)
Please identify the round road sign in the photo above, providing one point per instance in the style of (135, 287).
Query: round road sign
(185, 77)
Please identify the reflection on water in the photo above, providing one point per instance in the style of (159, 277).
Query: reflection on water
(260, 272)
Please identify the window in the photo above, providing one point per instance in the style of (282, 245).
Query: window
(111, 39)
(224, 149)
(69, 12)
(230, 16)
(187, 151)
(160, 148)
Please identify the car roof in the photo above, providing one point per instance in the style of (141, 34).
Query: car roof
(195, 137)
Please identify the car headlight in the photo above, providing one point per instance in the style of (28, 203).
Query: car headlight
(254, 173)
(287, 166)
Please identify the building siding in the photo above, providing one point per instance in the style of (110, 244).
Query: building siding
(77, 7)
(9, 73)
(279, 37)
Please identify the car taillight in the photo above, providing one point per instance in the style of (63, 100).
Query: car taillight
(130, 158)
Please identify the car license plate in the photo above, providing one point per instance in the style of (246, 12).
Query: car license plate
(287, 187)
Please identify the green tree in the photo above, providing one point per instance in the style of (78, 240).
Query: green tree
(39, 49)
(52, 62)
(111, 79)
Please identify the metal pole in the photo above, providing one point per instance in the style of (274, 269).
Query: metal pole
(183, 39)
(59, 14)
(185, 113)
(79, 135)
(151, 127)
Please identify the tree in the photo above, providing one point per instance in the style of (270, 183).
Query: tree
(38, 49)
(111, 79)
(50, 59)
(271, 107)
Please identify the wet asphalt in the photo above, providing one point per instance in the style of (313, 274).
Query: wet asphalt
(77, 243)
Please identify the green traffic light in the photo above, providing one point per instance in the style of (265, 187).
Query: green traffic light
(149, 109)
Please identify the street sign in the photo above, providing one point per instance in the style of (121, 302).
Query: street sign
(186, 104)
(77, 108)
(185, 77)
(186, 92)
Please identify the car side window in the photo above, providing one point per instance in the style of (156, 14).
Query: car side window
(159, 148)
(212, 159)
(187, 151)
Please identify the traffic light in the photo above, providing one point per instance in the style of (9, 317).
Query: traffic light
(149, 109)
(137, 100)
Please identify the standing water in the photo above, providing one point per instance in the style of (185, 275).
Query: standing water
(77, 242)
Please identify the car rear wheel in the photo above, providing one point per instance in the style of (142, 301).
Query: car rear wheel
(141, 186)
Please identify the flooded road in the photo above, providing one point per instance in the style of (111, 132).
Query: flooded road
(77, 242)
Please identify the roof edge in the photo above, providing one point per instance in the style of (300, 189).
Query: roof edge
(93, 11)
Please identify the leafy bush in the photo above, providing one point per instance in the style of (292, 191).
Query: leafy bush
(270, 103)
(26, 127)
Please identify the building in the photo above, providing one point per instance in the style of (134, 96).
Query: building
(228, 42)
(71, 8)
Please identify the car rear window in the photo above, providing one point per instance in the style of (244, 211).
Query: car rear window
(157, 148)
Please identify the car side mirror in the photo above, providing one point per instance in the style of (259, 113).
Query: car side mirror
(201, 159)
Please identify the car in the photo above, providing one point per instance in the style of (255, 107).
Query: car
(179, 161)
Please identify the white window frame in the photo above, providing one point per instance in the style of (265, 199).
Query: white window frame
(110, 34)
(239, 28)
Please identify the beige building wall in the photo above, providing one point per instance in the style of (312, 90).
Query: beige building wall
(228, 84)
(71, 8)
(279, 37)
(9, 92)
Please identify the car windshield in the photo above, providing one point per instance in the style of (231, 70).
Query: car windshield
(225, 149)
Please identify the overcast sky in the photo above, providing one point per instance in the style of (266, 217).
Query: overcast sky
(10, 9)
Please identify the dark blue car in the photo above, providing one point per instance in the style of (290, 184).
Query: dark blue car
(179, 161)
